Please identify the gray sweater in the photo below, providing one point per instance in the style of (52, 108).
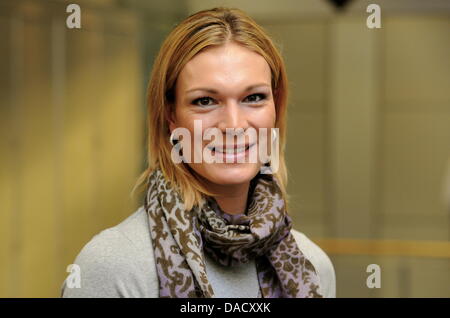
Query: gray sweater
(119, 262)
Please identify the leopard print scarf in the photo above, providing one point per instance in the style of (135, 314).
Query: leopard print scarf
(181, 237)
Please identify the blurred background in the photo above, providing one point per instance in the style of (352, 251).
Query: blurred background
(368, 134)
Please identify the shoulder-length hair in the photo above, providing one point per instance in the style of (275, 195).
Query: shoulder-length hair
(197, 32)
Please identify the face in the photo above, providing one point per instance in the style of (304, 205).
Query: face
(225, 87)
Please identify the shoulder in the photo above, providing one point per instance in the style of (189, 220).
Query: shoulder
(117, 262)
(321, 262)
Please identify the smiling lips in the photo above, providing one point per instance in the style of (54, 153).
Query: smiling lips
(232, 154)
(231, 150)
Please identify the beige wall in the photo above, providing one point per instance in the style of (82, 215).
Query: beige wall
(368, 138)
(70, 141)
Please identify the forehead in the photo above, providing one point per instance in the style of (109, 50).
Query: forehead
(231, 65)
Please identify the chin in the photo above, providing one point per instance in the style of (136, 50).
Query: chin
(228, 174)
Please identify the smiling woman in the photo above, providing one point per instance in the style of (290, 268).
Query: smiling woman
(210, 229)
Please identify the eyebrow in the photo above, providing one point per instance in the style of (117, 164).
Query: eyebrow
(213, 91)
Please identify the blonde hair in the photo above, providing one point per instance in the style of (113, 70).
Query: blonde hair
(197, 32)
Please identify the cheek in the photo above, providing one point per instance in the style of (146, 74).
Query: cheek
(265, 118)
(184, 119)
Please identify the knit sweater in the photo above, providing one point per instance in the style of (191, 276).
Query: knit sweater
(119, 262)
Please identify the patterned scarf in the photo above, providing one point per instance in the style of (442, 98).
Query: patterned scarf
(263, 234)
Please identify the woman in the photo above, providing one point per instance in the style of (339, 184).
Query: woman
(210, 228)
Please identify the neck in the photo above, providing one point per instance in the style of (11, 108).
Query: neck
(232, 199)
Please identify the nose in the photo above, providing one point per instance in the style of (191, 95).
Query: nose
(232, 116)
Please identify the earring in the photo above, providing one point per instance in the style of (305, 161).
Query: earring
(274, 134)
(173, 141)
(266, 168)
(274, 138)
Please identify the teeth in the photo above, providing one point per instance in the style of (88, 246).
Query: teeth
(230, 150)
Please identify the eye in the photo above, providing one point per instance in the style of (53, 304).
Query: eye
(256, 98)
(202, 101)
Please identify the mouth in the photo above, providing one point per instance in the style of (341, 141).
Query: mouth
(231, 150)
